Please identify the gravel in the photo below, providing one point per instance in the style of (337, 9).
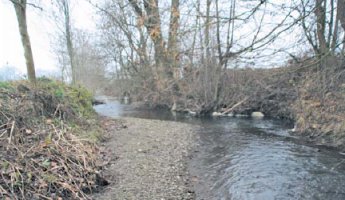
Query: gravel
(149, 161)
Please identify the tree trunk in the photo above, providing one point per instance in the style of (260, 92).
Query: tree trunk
(153, 26)
(207, 30)
(218, 74)
(173, 31)
(20, 8)
(341, 11)
(321, 25)
(152, 22)
(68, 34)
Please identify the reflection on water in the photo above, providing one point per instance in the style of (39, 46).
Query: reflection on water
(252, 159)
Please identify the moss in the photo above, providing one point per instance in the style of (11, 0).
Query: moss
(49, 99)
(78, 98)
(81, 101)
(5, 85)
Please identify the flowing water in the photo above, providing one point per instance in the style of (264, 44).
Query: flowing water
(243, 158)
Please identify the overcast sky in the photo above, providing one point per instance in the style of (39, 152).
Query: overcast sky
(40, 29)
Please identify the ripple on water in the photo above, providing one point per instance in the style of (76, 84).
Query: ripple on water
(245, 162)
(251, 159)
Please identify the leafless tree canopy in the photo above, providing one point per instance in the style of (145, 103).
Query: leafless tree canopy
(183, 48)
(180, 50)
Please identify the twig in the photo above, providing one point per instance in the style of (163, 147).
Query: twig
(4, 115)
(42, 196)
(57, 109)
(11, 133)
(3, 191)
(3, 133)
(23, 155)
(234, 106)
(4, 125)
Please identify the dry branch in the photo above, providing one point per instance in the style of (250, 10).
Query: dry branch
(234, 106)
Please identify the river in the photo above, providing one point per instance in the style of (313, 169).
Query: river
(244, 158)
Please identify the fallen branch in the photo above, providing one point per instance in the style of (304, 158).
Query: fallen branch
(234, 106)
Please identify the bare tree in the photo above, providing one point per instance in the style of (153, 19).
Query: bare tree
(152, 22)
(341, 17)
(320, 12)
(203, 37)
(322, 29)
(89, 61)
(173, 35)
(63, 18)
(20, 8)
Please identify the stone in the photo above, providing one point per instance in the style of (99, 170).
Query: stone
(257, 115)
(192, 113)
(217, 114)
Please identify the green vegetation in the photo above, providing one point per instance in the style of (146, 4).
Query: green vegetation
(5, 85)
(48, 137)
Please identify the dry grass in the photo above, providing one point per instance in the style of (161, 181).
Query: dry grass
(320, 108)
(41, 154)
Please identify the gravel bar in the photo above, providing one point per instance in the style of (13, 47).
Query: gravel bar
(149, 161)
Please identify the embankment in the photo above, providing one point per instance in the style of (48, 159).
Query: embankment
(310, 94)
(48, 142)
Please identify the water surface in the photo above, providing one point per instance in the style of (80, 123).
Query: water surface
(243, 158)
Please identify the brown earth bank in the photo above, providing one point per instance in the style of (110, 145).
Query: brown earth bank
(148, 160)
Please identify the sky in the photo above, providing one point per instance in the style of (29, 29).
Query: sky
(41, 29)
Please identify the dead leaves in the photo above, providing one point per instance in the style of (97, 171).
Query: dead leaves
(58, 166)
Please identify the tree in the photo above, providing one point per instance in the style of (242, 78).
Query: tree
(173, 35)
(193, 43)
(321, 23)
(89, 61)
(320, 12)
(152, 22)
(20, 8)
(341, 17)
(63, 20)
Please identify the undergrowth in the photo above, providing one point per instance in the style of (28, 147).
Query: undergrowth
(48, 136)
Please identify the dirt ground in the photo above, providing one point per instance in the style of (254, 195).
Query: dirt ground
(148, 160)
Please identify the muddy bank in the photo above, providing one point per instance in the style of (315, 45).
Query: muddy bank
(148, 160)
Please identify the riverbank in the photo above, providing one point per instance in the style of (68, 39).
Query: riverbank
(309, 93)
(148, 160)
(49, 139)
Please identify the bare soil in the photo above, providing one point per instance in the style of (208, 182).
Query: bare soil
(148, 160)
